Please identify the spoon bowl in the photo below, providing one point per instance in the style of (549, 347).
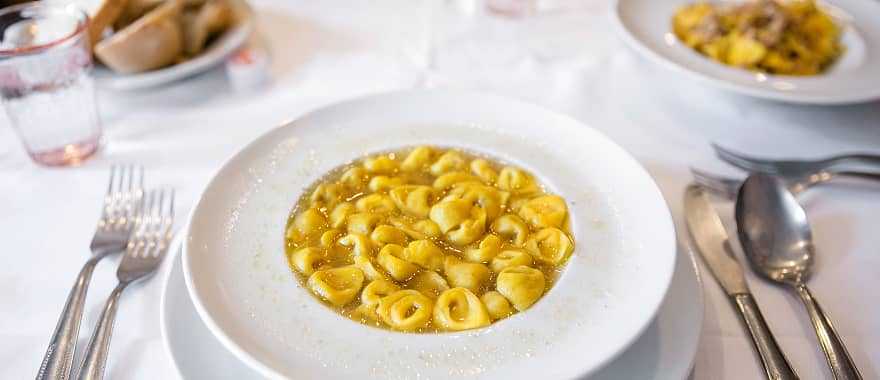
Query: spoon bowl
(774, 230)
(778, 242)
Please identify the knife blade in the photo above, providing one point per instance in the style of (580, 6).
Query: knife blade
(712, 243)
(708, 234)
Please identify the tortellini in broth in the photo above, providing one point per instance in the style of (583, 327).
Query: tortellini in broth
(428, 239)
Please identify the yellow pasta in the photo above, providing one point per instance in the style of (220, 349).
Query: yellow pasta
(793, 37)
(459, 309)
(391, 259)
(339, 286)
(428, 240)
(406, 310)
(512, 228)
(497, 306)
(488, 249)
(306, 260)
(521, 285)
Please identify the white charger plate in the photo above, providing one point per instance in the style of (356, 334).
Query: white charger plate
(214, 55)
(646, 25)
(665, 351)
(238, 278)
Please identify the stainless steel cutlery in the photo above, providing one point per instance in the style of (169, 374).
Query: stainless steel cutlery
(775, 234)
(712, 243)
(119, 211)
(132, 221)
(143, 255)
(789, 169)
(778, 242)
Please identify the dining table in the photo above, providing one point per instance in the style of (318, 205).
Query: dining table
(563, 55)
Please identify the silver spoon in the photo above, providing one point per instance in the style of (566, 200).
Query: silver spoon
(778, 242)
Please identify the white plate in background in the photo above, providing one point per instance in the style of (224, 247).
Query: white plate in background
(214, 55)
(240, 282)
(646, 25)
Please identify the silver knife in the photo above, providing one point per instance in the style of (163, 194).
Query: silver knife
(711, 241)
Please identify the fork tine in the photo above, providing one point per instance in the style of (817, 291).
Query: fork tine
(110, 183)
(171, 206)
(727, 187)
(140, 187)
(744, 162)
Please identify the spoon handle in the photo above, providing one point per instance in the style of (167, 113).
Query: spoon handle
(775, 364)
(842, 366)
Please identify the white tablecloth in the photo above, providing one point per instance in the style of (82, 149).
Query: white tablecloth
(323, 52)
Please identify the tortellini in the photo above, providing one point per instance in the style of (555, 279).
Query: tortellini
(406, 310)
(513, 228)
(488, 249)
(449, 161)
(521, 285)
(424, 254)
(376, 290)
(428, 240)
(358, 244)
(510, 258)
(326, 195)
(383, 183)
(376, 204)
(380, 165)
(386, 234)
(339, 286)
(362, 223)
(329, 237)
(309, 222)
(355, 178)
(306, 260)
(461, 221)
(489, 198)
(461, 274)
(516, 181)
(447, 180)
(418, 159)
(483, 169)
(550, 245)
(430, 283)
(391, 259)
(544, 211)
(459, 309)
(413, 199)
(497, 306)
(422, 229)
(340, 214)
(371, 272)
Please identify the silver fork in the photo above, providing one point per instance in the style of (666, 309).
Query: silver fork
(143, 255)
(729, 187)
(862, 165)
(118, 213)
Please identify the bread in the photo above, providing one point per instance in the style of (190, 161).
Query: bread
(153, 41)
(106, 15)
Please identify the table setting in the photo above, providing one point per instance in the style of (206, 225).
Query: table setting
(590, 189)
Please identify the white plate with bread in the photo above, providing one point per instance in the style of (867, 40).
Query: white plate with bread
(147, 43)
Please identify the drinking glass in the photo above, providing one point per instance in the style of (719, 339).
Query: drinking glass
(45, 82)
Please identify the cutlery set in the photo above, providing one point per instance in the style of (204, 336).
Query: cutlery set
(776, 238)
(133, 221)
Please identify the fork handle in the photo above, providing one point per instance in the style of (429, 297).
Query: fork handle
(58, 360)
(95, 358)
(839, 360)
(855, 162)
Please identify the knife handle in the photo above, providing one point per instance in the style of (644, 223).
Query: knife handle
(776, 366)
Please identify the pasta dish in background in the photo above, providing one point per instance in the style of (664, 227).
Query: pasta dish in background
(777, 37)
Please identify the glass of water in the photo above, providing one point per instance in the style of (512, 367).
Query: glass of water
(45, 82)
